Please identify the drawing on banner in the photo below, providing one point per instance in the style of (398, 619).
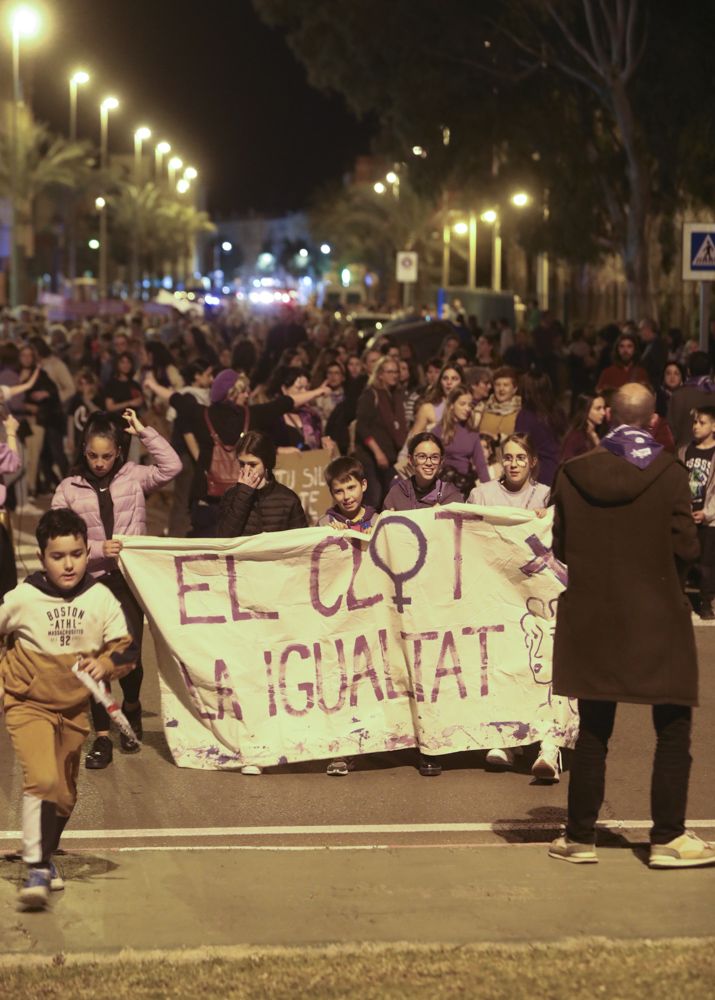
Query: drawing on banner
(303, 645)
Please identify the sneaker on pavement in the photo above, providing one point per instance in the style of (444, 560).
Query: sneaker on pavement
(429, 767)
(134, 718)
(34, 893)
(686, 851)
(251, 769)
(337, 767)
(57, 883)
(547, 766)
(500, 757)
(100, 755)
(564, 849)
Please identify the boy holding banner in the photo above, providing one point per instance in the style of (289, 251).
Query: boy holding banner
(55, 618)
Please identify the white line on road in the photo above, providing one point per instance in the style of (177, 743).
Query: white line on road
(341, 830)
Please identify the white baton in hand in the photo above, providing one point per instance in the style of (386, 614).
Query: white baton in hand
(104, 697)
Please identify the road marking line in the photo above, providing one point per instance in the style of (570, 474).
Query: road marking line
(297, 831)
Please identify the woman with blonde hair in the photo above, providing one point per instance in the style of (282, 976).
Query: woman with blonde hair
(464, 460)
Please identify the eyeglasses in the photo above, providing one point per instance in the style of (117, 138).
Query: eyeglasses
(427, 459)
(515, 459)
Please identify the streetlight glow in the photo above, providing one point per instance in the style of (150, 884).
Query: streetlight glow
(80, 77)
(109, 104)
(419, 151)
(302, 252)
(379, 188)
(391, 177)
(175, 163)
(99, 203)
(227, 246)
(461, 228)
(25, 22)
(325, 248)
(182, 186)
(520, 199)
(163, 148)
(191, 173)
(142, 133)
(489, 216)
(93, 244)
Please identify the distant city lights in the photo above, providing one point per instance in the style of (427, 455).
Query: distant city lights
(391, 177)
(520, 199)
(325, 248)
(226, 246)
(303, 252)
(182, 186)
(489, 216)
(345, 277)
(93, 244)
(379, 188)
(461, 228)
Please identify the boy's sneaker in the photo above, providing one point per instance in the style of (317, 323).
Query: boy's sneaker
(501, 757)
(134, 718)
(100, 755)
(686, 851)
(429, 767)
(34, 893)
(337, 767)
(57, 883)
(251, 769)
(564, 849)
(547, 766)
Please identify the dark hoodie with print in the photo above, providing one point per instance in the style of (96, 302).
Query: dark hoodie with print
(625, 530)
(333, 516)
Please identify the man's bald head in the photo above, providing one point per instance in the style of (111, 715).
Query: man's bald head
(633, 404)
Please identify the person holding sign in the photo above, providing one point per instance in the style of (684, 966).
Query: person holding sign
(519, 487)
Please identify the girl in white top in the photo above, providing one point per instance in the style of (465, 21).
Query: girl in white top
(518, 488)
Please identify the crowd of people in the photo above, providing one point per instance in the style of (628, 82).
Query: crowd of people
(100, 413)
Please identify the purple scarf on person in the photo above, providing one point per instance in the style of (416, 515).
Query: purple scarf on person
(702, 382)
(636, 445)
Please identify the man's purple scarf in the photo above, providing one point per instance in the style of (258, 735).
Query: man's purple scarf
(636, 445)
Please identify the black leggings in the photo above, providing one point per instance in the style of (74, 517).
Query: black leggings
(131, 684)
(669, 782)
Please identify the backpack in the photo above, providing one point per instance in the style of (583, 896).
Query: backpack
(224, 467)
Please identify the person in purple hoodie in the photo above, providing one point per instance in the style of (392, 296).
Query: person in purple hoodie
(425, 488)
(464, 460)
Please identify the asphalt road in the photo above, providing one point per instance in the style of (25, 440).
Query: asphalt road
(166, 857)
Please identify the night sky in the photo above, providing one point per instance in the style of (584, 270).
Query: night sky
(209, 78)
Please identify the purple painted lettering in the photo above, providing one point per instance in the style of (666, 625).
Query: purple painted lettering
(417, 638)
(305, 686)
(357, 603)
(458, 518)
(236, 613)
(390, 689)
(319, 680)
(194, 694)
(362, 649)
(187, 588)
(448, 648)
(223, 692)
(483, 652)
(268, 660)
(324, 609)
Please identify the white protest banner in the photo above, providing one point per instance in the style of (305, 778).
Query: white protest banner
(436, 632)
(304, 473)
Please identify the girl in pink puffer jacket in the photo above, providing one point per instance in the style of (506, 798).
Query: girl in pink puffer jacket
(109, 494)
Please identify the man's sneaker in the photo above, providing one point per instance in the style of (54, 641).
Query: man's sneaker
(100, 755)
(564, 849)
(686, 851)
(34, 893)
(429, 767)
(251, 769)
(547, 766)
(57, 883)
(134, 718)
(337, 767)
(501, 757)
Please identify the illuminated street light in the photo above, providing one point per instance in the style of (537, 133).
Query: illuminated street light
(107, 105)
(489, 216)
(182, 186)
(175, 164)
(25, 22)
(303, 252)
(461, 228)
(345, 277)
(419, 151)
(325, 248)
(77, 79)
(191, 173)
(142, 133)
(99, 203)
(391, 177)
(520, 199)
(379, 188)
(93, 244)
(226, 246)
(160, 151)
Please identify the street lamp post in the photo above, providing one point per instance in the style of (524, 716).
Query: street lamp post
(160, 151)
(175, 164)
(107, 105)
(77, 80)
(140, 135)
(25, 23)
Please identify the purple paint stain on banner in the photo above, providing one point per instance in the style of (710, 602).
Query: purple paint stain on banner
(399, 579)
(544, 559)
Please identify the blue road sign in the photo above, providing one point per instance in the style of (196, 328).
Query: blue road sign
(702, 251)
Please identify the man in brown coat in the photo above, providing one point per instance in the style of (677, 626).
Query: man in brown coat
(623, 631)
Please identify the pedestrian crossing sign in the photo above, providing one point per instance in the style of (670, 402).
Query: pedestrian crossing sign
(699, 251)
